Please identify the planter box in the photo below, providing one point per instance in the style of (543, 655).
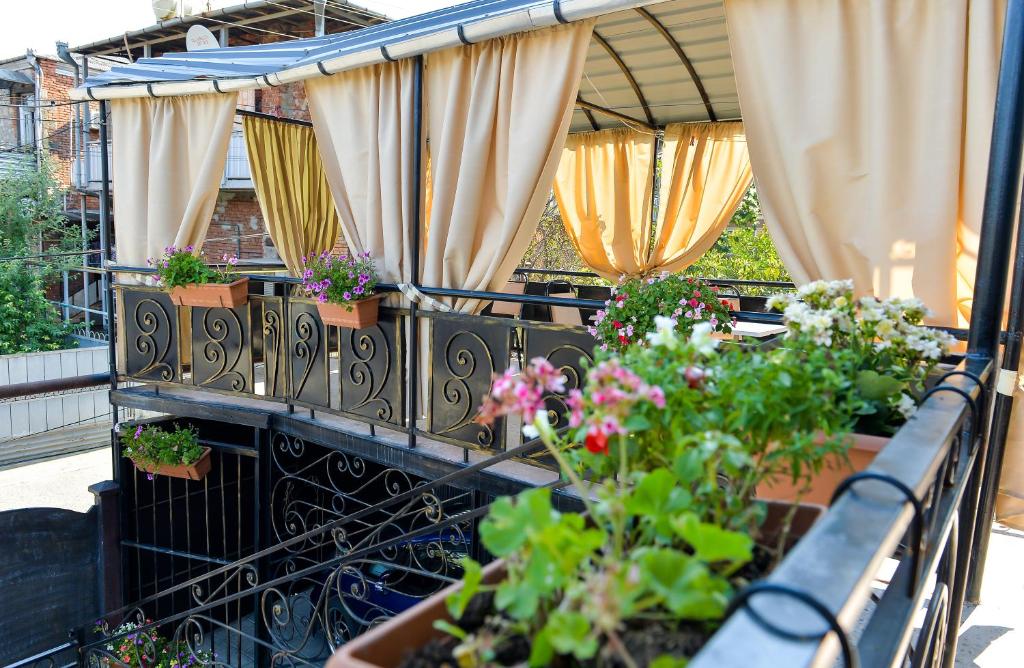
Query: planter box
(225, 295)
(385, 646)
(197, 470)
(862, 451)
(355, 315)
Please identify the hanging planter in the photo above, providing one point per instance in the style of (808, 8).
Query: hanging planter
(211, 295)
(355, 315)
(863, 448)
(343, 287)
(389, 644)
(191, 282)
(176, 454)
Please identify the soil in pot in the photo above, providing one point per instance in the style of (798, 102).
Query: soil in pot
(212, 295)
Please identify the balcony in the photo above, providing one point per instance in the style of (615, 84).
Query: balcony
(236, 168)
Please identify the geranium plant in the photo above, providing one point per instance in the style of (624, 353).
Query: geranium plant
(180, 267)
(149, 446)
(670, 527)
(893, 351)
(629, 315)
(339, 280)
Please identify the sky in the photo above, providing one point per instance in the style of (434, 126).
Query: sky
(38, 24)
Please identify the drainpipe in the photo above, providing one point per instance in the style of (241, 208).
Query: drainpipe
(77, 144)
(37, 120)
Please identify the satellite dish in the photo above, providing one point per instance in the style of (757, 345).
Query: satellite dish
(168, 9)
(199, 38)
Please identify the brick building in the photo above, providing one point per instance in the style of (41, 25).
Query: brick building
(37, 116)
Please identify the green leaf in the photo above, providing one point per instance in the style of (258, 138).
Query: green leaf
(569, 633)
(541, 651)
(667, 661)
(688, 588)
(873, 386)
(657, 494)
(509, 521)
(636, 422)
(444, 626)
(519, 599)
(712, 543)
(471, 578)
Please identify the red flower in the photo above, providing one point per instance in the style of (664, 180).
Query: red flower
(616, 324)
(623, 339)
(690, 281)
(693, 302)
(597, 441)
(714, 288)
(696, 293)
(725, 303)
(694, 376)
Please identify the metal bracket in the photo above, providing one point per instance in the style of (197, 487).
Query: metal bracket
(917, 523)
(556, 8)
(850, 657)
(1006, 382)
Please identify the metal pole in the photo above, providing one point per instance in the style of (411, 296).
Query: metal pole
(1004, 170)
(107, 277)
(414, 261)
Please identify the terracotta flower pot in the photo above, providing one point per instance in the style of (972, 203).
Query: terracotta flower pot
(862, 451)
(355, 315)
(385, 646)
(227, 295)
(197, 470)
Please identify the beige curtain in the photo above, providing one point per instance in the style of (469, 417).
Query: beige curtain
(705, 171)
(363, 121)
(603, 190)
(868, 125)
(168, 161)
(291, 188)
(497, 116)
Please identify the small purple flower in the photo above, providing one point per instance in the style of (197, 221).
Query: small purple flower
(322, 298)
(358, 290)
(346, 295)
(189, 248)
(149, 476)
(166, 264)
(138, 432)
(233, 261)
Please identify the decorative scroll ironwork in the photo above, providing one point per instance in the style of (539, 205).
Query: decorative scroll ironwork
(569, 350)
(466, 352)
(307, 355)
(221, 349)
(151, 335)
(272, 320)
(371, 370)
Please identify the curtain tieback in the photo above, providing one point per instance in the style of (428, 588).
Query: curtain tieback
(413, 294)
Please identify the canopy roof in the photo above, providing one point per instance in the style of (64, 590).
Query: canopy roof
(655, 62)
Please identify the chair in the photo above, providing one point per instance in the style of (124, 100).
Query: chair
(563, 315)
(509, 309)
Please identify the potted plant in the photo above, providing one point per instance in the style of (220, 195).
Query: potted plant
(629, 315)
(176, 454)
(136, 645)
(192, 282)
(643, 576)
(885, 350)
(343, 288)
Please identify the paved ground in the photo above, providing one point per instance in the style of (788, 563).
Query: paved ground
(992, 635)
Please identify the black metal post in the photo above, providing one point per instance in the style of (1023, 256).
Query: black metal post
(414, 262)
(107, 277)
(108, 506)
(1001, 412)
(1004, 172)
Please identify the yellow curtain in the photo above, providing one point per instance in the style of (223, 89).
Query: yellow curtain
(603, 190)
(168, 161)
(291, 188)
(363, 121)
(705, 171)
(497, 117)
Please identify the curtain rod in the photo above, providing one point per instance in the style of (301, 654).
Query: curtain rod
(271, 117)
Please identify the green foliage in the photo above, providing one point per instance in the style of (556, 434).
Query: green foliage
(149, 649)
(150, 445)
(635, 303)
(181, 266)
(32, 218)
(28, 323)
(338, 280)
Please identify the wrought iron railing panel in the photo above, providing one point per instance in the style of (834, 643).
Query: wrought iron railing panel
(465, 353)
(308, 355)
(371, 370)
(270, 346)
(151, 342)
(222, 349)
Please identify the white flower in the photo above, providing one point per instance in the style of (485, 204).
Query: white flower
(906, 405)
(530, 431)
(701, 338)
(664, 333)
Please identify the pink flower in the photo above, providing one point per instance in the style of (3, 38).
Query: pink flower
(656, 396)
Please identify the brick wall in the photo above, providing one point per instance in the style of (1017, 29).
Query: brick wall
(57, 125)
(237, 228)
(288, 101)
